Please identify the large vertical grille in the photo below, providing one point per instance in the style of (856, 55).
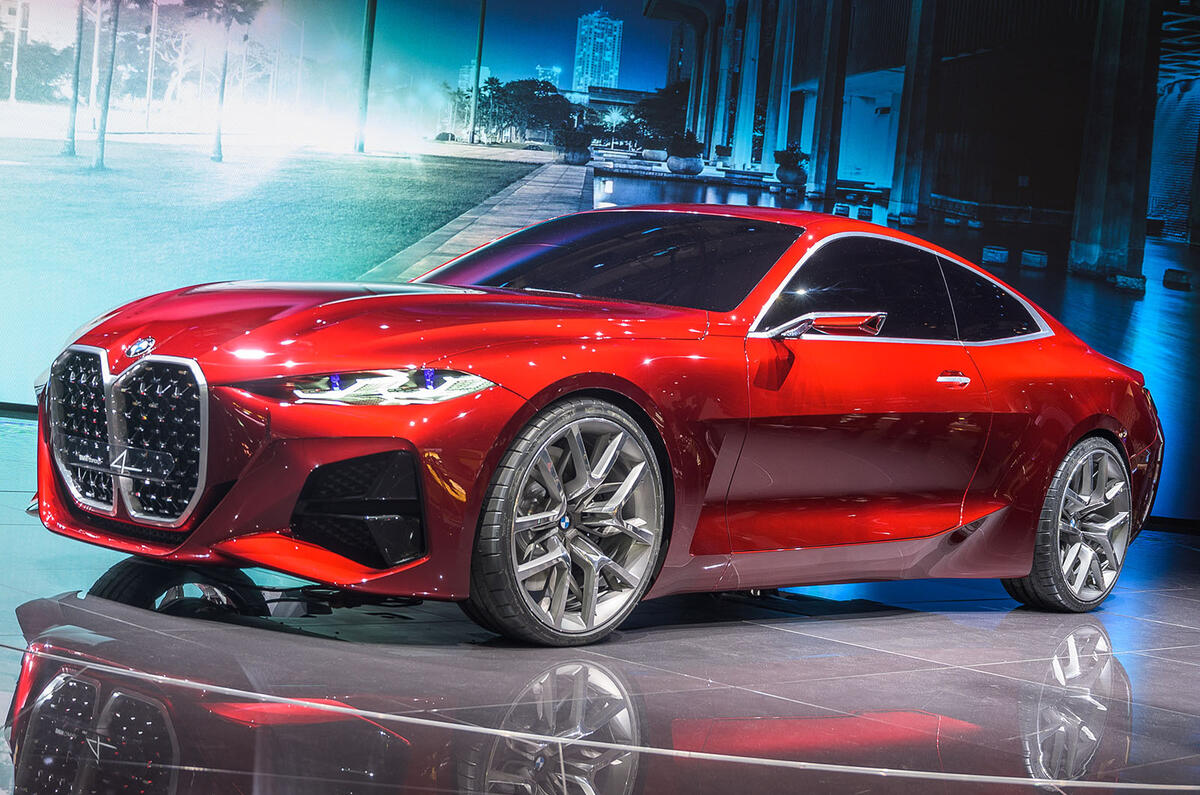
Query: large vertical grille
(159, 408)
(130, 747)
(79, 425)
(140, 434)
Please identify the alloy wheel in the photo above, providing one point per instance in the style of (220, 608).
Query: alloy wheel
(587, 526)
(1094, 523)
(570, 701)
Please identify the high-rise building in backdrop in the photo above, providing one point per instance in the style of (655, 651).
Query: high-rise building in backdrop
(548, 74)
(597, 51)
(466, 76)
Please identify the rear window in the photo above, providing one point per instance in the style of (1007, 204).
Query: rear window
(984, 310)
(691, 260)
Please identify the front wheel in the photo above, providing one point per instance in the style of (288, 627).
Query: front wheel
(572, 527)
(1083, 534)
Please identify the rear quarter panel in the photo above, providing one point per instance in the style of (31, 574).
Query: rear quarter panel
(1047, 394)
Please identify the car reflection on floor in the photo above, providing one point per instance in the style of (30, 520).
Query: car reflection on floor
(202, 693)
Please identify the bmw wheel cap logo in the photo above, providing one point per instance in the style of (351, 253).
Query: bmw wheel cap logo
(140, 347)
(564, 523)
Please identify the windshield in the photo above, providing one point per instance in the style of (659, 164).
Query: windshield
(693, 260)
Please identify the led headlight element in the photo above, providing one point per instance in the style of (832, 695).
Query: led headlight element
(384, 387)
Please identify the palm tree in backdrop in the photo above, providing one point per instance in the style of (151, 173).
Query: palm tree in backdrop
(225, 13)
(69, 144)
(98, 162)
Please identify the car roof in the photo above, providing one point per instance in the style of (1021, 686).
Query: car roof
(817, 225)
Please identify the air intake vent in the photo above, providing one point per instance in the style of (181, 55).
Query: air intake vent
(367, 509)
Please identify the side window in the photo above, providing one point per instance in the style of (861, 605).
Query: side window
(868, 274)
(984, 310)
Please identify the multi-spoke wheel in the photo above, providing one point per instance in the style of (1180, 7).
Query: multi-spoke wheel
(1085, 529)
(569, 706)
(1084, 691)
(572, 528)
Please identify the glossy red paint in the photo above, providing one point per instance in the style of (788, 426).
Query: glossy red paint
(790, 461)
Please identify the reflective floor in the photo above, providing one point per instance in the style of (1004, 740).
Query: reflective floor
(257, 685)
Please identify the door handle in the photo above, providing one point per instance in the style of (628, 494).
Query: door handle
(953, 378)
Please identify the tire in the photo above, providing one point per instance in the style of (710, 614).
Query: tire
(572, 528)
(568, 698)
(477, 616)
(139, 582)
(1083, 532)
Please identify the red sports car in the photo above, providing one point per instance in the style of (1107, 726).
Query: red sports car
(609, 406)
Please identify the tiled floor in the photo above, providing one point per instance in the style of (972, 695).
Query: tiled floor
(931, 686)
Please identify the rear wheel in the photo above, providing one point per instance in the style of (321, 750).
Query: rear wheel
(1084, 532)
(572, 527)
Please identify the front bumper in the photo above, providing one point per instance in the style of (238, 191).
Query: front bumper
(261, 454)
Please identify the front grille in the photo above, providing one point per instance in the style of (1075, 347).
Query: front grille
(140, 434)
(55, 744)
(68, 748)
(140, 745)
(79, 425)
(159, 410)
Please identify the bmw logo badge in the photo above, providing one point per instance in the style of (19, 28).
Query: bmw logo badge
(140, 347)
(564, 523)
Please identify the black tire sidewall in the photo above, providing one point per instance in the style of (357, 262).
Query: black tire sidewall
(492, 565)
(1047, 556)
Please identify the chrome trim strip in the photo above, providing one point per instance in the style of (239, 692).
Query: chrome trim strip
(115, 422)
(106, 379)
(1045, 330)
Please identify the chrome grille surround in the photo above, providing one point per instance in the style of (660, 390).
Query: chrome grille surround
(78, 411)
(161, 403)
(157, 407)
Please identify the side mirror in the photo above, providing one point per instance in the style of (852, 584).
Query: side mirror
(842, 324)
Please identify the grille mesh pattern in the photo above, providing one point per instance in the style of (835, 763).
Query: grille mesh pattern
(129, 748)
(160, 410)
(157, 413)
(56, 740)
(142, 750)
(79, 420)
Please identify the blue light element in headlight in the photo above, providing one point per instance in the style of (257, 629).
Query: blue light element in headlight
(383, 387)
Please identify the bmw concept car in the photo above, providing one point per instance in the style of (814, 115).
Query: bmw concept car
(610, 406)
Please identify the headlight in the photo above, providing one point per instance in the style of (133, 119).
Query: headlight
(375, 387)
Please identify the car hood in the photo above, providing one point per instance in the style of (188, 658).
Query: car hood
(240, 331)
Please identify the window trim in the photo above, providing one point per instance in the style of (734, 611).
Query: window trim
(1044, 329)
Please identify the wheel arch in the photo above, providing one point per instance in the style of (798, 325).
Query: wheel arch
(1105, 427)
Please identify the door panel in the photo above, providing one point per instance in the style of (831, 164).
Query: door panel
(854, 440)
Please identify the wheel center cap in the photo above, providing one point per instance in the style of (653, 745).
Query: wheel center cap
(564, 523)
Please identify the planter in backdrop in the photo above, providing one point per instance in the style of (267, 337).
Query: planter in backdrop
(576, 157)
(685, 165)
(655, 155)
(792, 176)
